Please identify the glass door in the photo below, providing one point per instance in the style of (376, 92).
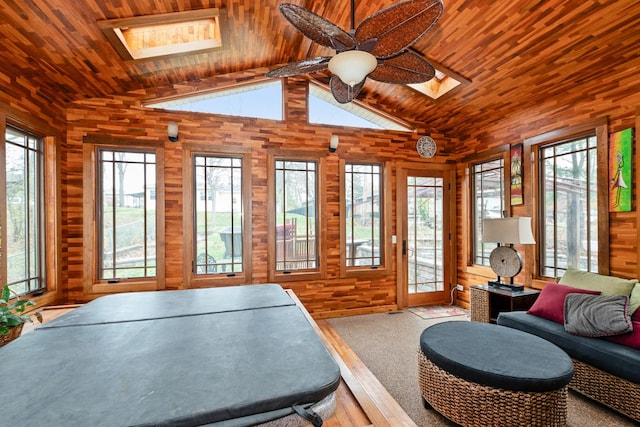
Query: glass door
(425, 237)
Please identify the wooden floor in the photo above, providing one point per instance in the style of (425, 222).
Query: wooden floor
(361, 399)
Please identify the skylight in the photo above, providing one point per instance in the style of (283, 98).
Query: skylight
(443, 82)
(259, 100)
(324, 109)
(152, 36)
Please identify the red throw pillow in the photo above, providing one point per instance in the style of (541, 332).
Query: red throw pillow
(636, 315)
(550, 302)
(632, 339)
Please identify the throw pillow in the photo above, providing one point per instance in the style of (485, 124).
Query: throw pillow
(630, 340)
(597, 315)
(550, 302)
(607, 285)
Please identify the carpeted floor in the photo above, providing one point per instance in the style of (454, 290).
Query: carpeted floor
(387, 343)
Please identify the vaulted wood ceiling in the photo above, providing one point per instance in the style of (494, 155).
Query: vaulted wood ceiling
(517, 54)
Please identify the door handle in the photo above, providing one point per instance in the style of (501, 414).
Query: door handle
(404, 247)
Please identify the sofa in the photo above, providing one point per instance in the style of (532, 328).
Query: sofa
(595, 319)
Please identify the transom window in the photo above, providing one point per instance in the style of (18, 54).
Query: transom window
(25, 233)
(568, 206)
(363, 215)
(127, 214)
(218, 221)
(296, 225)
(488, 202)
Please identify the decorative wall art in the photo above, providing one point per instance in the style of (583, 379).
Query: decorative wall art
(516, 175)
(620, 170)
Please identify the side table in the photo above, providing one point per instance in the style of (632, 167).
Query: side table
(487, 302)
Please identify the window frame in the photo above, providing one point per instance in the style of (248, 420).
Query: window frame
(531, 155)
(274, 275)
(91, 282)
(191, 279)
(502, 151)
(476, 228)
(41, 185)
(385, 212)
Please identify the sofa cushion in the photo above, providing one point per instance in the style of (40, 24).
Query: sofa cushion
(550, 302)
(616, 359)
(597, 315)
(607, 285)
(632, 339)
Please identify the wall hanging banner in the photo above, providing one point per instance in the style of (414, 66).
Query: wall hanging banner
(620, 170)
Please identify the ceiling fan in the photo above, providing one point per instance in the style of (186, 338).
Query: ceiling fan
(377, 49)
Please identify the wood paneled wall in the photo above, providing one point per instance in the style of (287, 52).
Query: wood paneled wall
(553, 115)
(123, 116)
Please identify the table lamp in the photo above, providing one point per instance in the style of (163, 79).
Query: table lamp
(504, 260)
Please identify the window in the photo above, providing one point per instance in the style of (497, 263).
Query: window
(488, 202)
(260, 100)
(324, 109)
(126, 220)
(25, 211)
(295, 243)
(568, 209)
(296, 217)
(218, 221)
(363, 215)
(123, 216)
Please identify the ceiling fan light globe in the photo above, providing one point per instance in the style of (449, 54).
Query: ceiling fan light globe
(352, 66)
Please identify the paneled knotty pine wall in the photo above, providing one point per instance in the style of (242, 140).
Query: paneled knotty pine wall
(124, 117)
(619, 102)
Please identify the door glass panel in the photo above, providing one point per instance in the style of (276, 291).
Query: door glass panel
(425, 243)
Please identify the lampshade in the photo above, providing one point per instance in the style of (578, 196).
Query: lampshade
(514, 230)
(352, 66)
(333, 143)
(172, 131)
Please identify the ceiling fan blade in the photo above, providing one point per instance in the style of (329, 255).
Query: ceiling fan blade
(317, 28)
(342, 92)
(399, 26)
(402, 69)
(302, 67)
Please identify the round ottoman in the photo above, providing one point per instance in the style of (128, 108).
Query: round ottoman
(480, 374)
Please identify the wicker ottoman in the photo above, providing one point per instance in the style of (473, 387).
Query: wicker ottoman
(479, 374)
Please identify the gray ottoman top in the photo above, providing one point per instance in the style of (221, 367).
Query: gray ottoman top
(496, 356)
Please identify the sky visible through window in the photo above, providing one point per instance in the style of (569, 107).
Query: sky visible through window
(264, 100)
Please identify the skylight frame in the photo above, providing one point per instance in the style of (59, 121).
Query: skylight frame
(444, 81)
(114, 30)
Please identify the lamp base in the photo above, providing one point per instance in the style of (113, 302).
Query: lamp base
(507, 286)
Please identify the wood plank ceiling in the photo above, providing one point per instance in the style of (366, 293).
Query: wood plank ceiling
(516, 54)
